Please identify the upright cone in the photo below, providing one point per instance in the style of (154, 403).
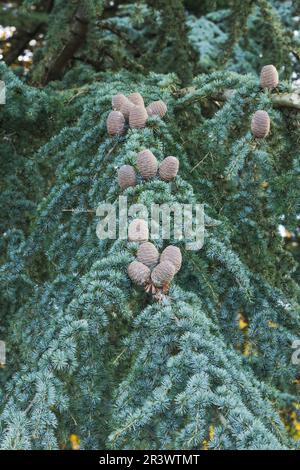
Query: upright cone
(147, 164)
(126, 108)
(138, 117)
(269, 77)
(260, 124)
(163, 273)
(138, 273)
(126, 176)
(117, 101)
(168, 168)
(137, 99)
(115, 123)
(148, 254)
(173, 255)
(157, 108)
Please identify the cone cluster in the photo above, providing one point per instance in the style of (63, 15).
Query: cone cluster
(260, 123)
(148, 167)
(131, 109)
(153, 271)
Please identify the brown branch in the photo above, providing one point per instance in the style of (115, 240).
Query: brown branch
(287, 100)
(79, 29)
(279, 100)
(19, 44)
(20, 40)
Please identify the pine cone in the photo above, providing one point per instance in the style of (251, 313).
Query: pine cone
(173, 255)
(157, 108)
(260, 124)
(168, 168)
(138, 230)
(138, 273)
(137, 99)
(138, 117)
(147, 164)
(126, 108)
(115, 123)
(269, 77)
(163, 273)
(117, 101)
(148, 254)
(126, 176)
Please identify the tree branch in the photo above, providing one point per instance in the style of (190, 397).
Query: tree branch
(77, 37)
(287, 100)
(19, 43)
(20, 40)
(279, 100)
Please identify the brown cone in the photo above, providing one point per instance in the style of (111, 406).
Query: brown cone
(126, 108)
(115, 123)
(136, 98)
(138, 273)
(126, 176)
(168, 168)
(148, 254)
(269, 77)
(117, 101)
(173, 255)
(138, 117)
(147, 164)
(163, 273)
(260, 124)
(157, 108)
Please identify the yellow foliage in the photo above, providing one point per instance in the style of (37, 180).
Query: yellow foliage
(243, 324)
(247, 349)
(296, 426)
(292, 422)
(75, 442)
(211, 434)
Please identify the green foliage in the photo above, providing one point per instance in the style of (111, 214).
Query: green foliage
(87, 352)
(208, 37)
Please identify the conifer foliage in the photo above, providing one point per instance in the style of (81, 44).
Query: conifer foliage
(139, 343)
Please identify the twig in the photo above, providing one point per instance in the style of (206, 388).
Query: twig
(199, 163)
(78, 210)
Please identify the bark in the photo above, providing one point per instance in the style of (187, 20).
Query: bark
(77, 38)
(279, 100)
